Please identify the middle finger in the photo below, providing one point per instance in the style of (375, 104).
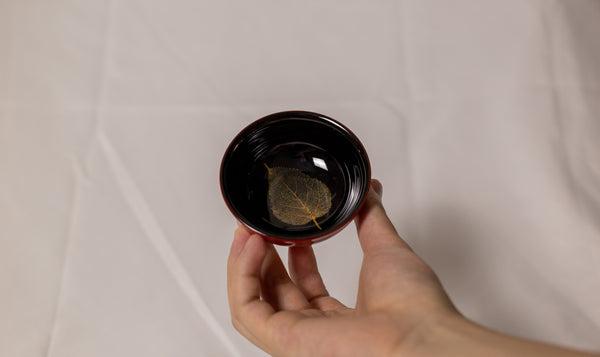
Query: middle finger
(276, 286)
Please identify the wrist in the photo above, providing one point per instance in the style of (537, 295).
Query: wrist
(436, 335)
(454, 335)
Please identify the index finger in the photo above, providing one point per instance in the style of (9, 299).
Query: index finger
(251, 316)
(243, 285)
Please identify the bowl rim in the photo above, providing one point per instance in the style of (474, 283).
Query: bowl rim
(307, 240)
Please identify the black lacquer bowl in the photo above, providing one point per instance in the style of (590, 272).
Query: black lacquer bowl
(316, 145)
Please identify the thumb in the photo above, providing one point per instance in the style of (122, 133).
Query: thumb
(375, 230)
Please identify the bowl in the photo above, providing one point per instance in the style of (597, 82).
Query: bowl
(295, 177)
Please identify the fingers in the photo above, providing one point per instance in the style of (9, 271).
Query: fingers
(306, 276)
(258, 286)
(276, 286)
(375, 230)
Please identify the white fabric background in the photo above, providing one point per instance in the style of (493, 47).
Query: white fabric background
(482, 119)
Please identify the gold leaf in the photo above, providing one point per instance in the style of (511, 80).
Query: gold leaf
(296, 198)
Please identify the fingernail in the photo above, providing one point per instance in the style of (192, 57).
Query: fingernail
(377, 187)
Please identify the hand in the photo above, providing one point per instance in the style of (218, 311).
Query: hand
(401, 306)
(399, 296)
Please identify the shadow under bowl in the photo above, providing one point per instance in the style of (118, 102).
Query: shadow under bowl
(317, 146)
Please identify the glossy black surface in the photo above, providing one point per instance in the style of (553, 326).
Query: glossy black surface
(315, 144)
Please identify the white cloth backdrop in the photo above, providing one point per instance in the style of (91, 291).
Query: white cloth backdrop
(482, 119)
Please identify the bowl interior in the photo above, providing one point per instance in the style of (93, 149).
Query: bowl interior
(317, 146)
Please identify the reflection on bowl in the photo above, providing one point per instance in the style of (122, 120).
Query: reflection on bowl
(273, 172)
